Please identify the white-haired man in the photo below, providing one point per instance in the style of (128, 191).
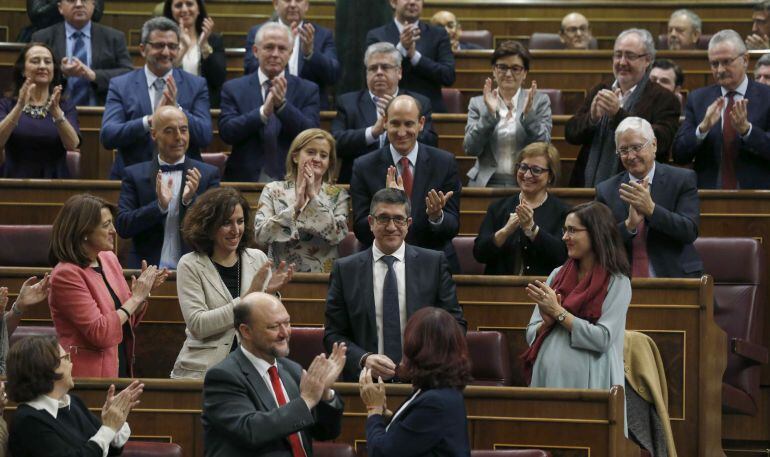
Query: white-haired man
(684, 29)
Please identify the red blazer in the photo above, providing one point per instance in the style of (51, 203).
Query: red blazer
(86, 321)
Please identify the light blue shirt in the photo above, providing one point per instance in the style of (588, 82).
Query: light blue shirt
(69, 30)
(172, 242)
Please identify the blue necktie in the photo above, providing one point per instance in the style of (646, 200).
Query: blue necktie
(170, 168)
(78, 89)
(391, 317)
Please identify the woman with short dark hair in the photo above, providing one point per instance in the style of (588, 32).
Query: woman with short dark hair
(432, 421)
(49, 421)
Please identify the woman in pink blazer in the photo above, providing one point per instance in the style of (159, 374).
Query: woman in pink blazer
(93, 308)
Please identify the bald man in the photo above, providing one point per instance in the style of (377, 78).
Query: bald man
(448, 20)
(257, 402)
(155, 194)
(575, 32)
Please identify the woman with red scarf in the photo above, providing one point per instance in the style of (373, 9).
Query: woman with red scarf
(576, 330)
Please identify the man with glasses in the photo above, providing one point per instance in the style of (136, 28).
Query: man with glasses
(134, 97)
(607, 104)
(655, 205)
(359, 126)
(575, 32)
(726, 127)
(90, 54)
(372, 293)
(428, 175)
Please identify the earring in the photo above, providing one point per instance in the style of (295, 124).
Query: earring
(85, 238)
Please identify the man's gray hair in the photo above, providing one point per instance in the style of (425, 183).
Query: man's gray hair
(272, 27)
(762, 62)
(636, 124)
(383, 47)
(691, 16)
(645, 36)
(728, 36)
(162, 24)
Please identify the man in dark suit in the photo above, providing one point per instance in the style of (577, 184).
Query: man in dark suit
(656, 206)
(448, 20)
(726, 129)
(90, 54)
(631, 94)
(373, 293)
(313, 56)
(155, 194)
(359, 126)
(257, 402)
(428, 176)
(429, 63)
(263, 112)
(134, 96)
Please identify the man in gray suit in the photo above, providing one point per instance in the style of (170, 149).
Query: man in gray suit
(257, 402)
(373, 293)
(90, 54)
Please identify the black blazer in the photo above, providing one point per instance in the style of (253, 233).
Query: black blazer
(109, 54)
(350, 301)
(435, 169)
(214, 69)
(673, 227)
(355, 113)
(36, 433)
(241, 417)
(436, 68)
(540, 256)
(433, 424)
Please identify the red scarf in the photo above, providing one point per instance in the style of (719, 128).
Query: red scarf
(582, 298)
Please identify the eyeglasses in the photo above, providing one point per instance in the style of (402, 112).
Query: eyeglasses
(514, 69)
(571, 231)
(67, 356)
(159, 46)
(714, 64)
(383, 66)
(624, 151)
(398, 221)
(574, 30)
(75, 2)
(523, 168)
(630, 56)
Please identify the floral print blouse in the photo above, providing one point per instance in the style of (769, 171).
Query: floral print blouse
(310, 240)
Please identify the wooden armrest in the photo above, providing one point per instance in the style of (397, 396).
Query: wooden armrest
(749, 350)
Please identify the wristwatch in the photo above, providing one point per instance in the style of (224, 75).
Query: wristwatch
(530, 232)
(562, 316)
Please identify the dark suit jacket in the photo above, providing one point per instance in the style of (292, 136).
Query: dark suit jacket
(109, 54)
(241, 418)
(139, 216)
(214, 69)
(435, 69)
(36, 433)
(355, 113)
(45, 13)
(350, 300)
(657, 105)
(538, 257)
(433, 424)
(128, 101)
(435, 169)
(240, 125)
(322, 68)
(752, 168)
(673, 226)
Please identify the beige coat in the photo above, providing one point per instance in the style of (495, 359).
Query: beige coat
(207, 307)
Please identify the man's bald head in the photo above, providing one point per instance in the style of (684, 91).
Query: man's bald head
(264, 325)
(170, 132)
(447, 20)
(575, 31)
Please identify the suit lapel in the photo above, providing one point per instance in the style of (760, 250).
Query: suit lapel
(211, 275)
(366, 265)
(255, 380)
(60, 46)
(367, 109)
(659, 184)
(97, 44)
(256, 89)
(140, 86)
(248, 269)
(412, 287)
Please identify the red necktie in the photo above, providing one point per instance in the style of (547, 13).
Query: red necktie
(406, 176)
(640, 263)
(296, 445)
(729, 146)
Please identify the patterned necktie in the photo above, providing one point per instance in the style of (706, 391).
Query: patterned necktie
(406, 176)
(640, 262)
(383, 135)
(78, 90)
(160, 86)
(170, 168)
(267, 85)
(729, 145)
(391, 316)
(296, 445)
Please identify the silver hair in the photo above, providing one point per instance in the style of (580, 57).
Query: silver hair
(645, 36)
(160, 23)
(693, 18)
(271, 27)
(636, 124)
(383, 47)
(728, 36)
(763, 61)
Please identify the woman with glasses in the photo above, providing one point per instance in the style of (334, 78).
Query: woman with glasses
(303, 218)
(521, 234)
(505, 119)
(48, 420)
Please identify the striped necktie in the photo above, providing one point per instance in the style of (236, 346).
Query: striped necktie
(78, 90)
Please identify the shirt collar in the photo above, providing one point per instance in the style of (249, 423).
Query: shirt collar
(513, 100)
(741, 89)
(69, 29)
(371, 94)
(50, 405)
(412, 156)
(289, 25)
(399, 254)
(151, 76)
(401, 26)
(615, 85)
(163, 162)
(262, 77)
(649, 176)
(260, 364)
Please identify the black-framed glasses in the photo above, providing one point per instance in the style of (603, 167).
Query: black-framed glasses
(373, 68)
(630, 56)
(382, 219)
(714, 64)
(574, 30)
(523, 168)
(571, 231)
(514, 69)
(159, 46)
(624, 151)
(75, 2)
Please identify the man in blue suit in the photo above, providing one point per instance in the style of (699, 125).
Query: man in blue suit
(134, 96)
(429, 62)
(263, 112)
(155, 194)
(313, 56)
(373, 293)
(726, 129)
(428, 176)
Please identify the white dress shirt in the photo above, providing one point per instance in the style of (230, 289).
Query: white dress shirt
(172, 244)
(506, 133)
(380, 269)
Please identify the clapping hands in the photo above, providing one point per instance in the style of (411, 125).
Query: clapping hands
(317, 381)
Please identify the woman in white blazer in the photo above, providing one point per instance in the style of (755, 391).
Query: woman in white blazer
(212, 279)
(504, 120)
